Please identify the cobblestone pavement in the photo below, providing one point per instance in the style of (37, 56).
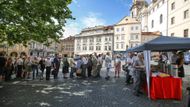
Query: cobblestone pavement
(77, 93)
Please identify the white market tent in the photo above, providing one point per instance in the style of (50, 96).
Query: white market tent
(162, 43)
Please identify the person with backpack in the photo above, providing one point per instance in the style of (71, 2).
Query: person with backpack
(65, 69)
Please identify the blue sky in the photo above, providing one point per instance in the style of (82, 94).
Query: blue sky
(89, 13)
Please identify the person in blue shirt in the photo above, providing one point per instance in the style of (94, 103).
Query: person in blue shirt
(79, 63)
(56, 65)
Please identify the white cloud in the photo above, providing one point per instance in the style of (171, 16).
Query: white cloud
(71, 29)
(75, 26)
(92, 19)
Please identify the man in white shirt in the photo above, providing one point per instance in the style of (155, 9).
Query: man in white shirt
(84, 66)
(108, 65)
(48, 65)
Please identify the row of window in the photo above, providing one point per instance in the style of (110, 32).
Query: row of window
(134, 37)
(68, 49)
(161, 20)
(123, 29)
(34, 45)
(120, 47)
(173, 5)
(122, 36)
(185, 33)
(158, 5)
(185, 16)
(98, 48)
(92, 40)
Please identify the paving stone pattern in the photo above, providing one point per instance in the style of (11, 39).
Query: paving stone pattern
(77, 93)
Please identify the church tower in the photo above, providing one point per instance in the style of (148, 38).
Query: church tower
(137, 5)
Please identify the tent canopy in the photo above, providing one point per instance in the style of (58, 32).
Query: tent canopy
(164, 43)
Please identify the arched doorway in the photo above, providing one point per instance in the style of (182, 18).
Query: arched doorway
(14, 54)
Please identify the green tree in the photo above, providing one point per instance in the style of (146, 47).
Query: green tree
(40, 20)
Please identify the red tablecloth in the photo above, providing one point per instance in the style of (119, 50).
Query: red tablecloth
(166, 88)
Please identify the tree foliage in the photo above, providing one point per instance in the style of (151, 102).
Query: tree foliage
(40, 20)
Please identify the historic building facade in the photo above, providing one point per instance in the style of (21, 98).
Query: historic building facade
(97, 39)
(127, 34)
(153, 17)
(67, 46)
(179, 18)
(169, 17)
(157, 16)
(33, 49)
(15, 50)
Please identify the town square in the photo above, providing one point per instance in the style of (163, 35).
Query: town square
(94, 53)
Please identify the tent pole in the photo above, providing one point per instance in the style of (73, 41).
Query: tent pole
(147, 65)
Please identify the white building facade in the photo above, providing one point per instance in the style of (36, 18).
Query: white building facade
(157, 16)
(179, 18)
(127, 33)
(97, 39)
(169, 17)
(154, 17)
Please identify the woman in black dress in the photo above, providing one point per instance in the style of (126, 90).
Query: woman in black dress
(180, 62)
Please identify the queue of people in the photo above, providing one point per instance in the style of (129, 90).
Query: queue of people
(34, 67)
(84, 66)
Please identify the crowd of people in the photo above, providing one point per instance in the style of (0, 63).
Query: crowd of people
(135, 68)
(83, 66)
(31, 67)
